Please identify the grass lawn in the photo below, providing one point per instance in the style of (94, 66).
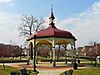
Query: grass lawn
(88, 71)
(10, 69)
(91, 70)
(7, 70)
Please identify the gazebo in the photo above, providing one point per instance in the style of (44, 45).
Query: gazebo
(53, 36)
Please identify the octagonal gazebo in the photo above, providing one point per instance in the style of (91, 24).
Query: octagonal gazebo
(53, 36)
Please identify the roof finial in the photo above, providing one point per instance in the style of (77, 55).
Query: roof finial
(51, 7)
(52, 16)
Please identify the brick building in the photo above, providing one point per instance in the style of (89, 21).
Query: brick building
(89, 50)
(10, 50)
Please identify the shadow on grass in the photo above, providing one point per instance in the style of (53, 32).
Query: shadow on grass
(85, 71)
(89, 65)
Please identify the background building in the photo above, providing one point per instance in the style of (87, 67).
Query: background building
(10, 50)
(91, 50)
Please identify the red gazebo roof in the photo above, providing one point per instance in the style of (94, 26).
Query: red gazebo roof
(52, 31)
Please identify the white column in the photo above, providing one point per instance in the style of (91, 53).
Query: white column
(50, 55)
(54, 57)
(65, 55)
(36, 57)
(58, 52)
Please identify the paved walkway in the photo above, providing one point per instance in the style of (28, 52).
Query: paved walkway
(44, 68)
(51, 72)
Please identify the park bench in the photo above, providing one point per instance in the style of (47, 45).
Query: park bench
(70, 72)
(15, 73)
(24, 72)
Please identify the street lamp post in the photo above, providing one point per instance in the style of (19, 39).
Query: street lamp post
(74, 64)
(34, 53)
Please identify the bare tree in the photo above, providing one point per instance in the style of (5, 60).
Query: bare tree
(30, 25)
(92, 52)
(91, 43)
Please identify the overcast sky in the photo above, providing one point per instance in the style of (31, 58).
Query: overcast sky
(80, 17)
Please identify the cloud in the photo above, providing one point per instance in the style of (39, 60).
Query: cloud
(6, 1)
(10, 2)
(8, 27)
(85, 26)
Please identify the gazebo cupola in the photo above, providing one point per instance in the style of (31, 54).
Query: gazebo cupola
(51, 18)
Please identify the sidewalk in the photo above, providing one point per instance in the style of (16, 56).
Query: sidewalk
(44, 68)
(47, 69)
(52, 72)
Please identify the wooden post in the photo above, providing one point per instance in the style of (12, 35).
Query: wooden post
(34, 60)
(31, 50)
